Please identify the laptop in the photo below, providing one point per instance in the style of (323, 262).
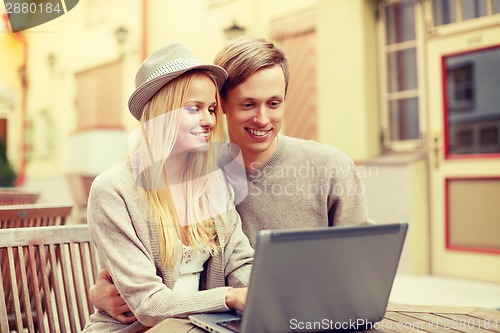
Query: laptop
(308, 280)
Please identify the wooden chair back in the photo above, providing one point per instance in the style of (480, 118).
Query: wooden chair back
(17, 197)
(34, 215)
(46, 281)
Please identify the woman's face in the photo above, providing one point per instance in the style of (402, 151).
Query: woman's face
(198, 116)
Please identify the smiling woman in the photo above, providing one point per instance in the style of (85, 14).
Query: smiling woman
(198, 116)
(167, 214)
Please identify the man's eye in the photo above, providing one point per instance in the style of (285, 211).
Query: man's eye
(247, 105)
(274, 104)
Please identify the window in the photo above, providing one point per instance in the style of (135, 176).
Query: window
(461, 88)
(472, 99)
(401, 114)
(489, 136)
(464, 138)
(446, 12)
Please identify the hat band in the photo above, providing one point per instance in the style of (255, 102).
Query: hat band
(174, 66)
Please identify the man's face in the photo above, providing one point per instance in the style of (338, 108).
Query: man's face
(254, 110)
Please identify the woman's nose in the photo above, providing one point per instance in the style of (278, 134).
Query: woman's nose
(207, 118)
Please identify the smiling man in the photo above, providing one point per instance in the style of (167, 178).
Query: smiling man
(254, 110)
(292, 183)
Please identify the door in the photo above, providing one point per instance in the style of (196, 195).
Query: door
(463, 74)
(296, 36)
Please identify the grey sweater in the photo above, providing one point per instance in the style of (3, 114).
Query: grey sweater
(304, 184)
(127, 244)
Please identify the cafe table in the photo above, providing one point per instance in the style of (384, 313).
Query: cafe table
(400, 318)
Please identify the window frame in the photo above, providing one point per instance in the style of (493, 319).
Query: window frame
(386, 97)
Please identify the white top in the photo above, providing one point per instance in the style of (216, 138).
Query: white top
(191, 268)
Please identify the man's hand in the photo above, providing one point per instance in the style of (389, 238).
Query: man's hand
(236, 298)
(106, 297)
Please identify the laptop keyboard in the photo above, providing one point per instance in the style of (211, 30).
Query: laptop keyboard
(232, 325)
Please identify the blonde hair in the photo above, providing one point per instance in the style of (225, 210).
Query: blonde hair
(159, 137)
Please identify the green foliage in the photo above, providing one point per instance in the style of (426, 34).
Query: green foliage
(7, 173)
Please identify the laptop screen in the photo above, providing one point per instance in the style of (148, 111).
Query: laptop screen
(322, 277)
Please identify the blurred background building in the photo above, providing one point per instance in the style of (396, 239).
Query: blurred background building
(409, 89)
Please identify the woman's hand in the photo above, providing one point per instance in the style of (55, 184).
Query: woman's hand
(236, 298)
(106, 297)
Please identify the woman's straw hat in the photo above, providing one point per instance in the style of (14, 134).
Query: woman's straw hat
(163, 66)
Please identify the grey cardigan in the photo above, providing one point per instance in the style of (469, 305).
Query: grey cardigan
(127, 244)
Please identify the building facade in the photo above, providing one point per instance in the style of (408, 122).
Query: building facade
(407, 88)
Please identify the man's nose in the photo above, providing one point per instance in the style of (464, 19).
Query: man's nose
(261, 118)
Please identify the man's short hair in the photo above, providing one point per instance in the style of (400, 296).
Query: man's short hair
(244, 56)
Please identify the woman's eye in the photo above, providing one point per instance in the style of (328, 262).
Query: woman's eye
(192, 109)
(212, 110)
